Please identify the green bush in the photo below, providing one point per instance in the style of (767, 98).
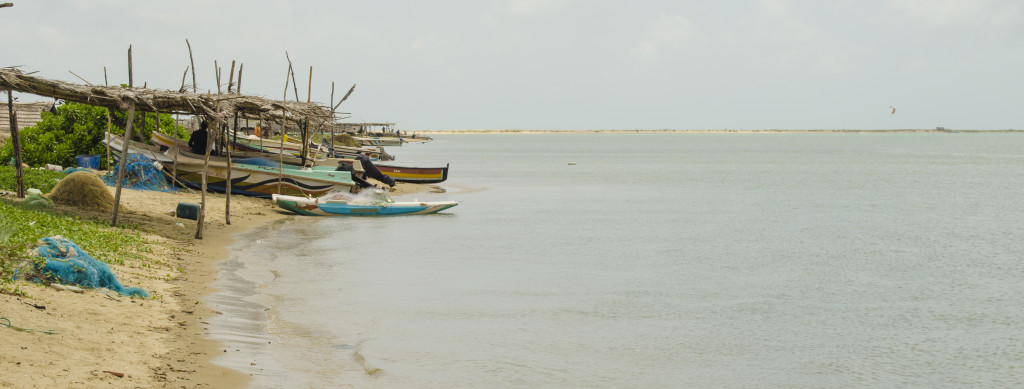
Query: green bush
(79, 129)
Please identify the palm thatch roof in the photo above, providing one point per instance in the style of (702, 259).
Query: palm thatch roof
(217, 107)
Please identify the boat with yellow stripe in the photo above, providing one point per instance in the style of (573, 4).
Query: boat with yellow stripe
(419, 175)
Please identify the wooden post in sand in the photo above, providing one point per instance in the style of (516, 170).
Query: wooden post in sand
(202, 199)
(16, 143)
(123, 162)
(332, 115)
(306, 136)
(280, 151)
(227, 151)
(124, 150)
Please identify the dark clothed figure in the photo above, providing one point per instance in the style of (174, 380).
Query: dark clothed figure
(197, 142)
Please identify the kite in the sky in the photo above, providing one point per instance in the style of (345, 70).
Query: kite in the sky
(893, 110)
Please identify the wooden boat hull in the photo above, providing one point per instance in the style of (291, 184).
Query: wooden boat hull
(259, 181)
(247, 180)
(378, 141)
(311, 207)
(418, 175)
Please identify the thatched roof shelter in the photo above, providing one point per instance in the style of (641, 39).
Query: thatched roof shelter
(217, 107)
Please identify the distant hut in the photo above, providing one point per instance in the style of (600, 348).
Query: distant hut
(28, 116)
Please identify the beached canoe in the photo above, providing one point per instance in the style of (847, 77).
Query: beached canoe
(246, 179)
(413, 174)
(353, 207)
(257, 180)
(378, 141)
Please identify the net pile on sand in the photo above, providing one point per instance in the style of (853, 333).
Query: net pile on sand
(68, 264)
(140, 173)
(84, 190)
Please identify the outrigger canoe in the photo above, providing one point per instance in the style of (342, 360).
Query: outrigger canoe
(343, 206)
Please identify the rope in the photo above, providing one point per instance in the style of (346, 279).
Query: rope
(16, 328)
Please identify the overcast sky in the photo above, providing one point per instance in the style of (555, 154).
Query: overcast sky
(563, 64)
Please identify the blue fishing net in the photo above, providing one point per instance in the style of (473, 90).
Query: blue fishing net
(77, 169)
(67, 264)
(140, 173)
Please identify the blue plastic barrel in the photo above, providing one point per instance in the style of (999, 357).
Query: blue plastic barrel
(91, 161)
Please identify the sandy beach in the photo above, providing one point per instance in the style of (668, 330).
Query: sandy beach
(103, 339)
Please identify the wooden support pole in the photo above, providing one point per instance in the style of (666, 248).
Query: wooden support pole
(109, 124)
(129, 69)
(239, 89)
(332, 115)
(227, 151)
(291, 70)
(123, 163)
(227, 201)
(16, 143)
(142, 128)
(216, 69)
(280, 150)
(305, 127)
(174, 166)
(231, 77)
(227, 183)
(202, 200)
(183, 75)
(193, 63)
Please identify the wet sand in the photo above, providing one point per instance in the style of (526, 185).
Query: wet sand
(162, 341)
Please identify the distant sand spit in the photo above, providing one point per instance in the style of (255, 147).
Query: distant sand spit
(722, 131)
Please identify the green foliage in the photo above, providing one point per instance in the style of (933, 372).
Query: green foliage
(44, 180)
(145, 123)
(58, 138)
(21, 227)
(79, 129)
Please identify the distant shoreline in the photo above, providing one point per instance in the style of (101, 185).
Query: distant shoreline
(944, 131)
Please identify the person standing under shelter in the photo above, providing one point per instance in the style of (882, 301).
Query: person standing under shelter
(197, 142)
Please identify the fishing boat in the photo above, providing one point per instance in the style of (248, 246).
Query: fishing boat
(257, 180)
(378, 141)
(246, 147)
(314, 150)
(374, 153)
(116, 144)
(246, 178)
(342, 204)
(418, 175)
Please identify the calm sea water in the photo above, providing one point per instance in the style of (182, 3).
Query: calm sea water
(656, 261)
